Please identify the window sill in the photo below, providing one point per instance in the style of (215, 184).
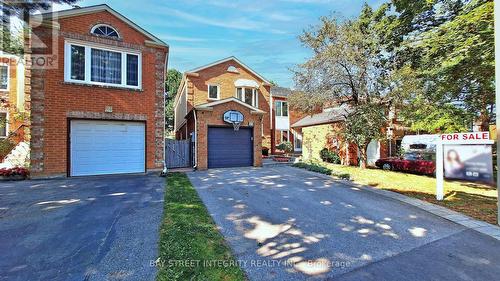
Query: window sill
(103, 86)
(212, 99)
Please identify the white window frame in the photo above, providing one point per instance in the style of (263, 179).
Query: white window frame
(281, 105)
(6, 124)
(218, 91)
(106, 25)
(88, 47)
(287, 135)
(295, 138)
(8, 77)
(255, 95)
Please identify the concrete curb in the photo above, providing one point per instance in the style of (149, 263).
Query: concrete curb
(445, 213)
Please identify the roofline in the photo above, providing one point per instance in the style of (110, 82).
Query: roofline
(228, 59)
(210, 104)
(104, 7)
(315, 124)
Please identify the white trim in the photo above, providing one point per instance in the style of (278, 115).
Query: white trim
(211, 104)
(183, 91)
(87, 76)
(255, 95)
(248, 83)
(287, 113)
(92, 30)
(100, 8)
(20, 70)
(228, 59)
(6, 123)
(297, 136)
(8, 77)
(208, 91)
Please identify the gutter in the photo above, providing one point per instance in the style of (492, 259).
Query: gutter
(195, 141)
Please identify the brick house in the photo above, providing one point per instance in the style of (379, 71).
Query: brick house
(323, 130)
(228, 86)
(12, 105)
(100, 108)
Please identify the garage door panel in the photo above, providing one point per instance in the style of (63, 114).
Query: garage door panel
(229, 148)
(107, 147)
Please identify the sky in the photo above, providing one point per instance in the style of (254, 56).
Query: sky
(262, 34)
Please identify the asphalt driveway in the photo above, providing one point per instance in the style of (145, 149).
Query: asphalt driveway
(287, 224)
(92, 228)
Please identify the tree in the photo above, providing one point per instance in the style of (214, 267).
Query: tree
(172, 83)
(21, 10)
(345, 70)
(448, 44)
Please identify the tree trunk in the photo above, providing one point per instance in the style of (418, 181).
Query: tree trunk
(362, 156)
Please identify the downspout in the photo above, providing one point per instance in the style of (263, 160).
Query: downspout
(271, 128)
(165, 70)
(195, 141)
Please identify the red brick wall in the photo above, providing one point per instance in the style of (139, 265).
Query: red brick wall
(214, 117)
(55, 100)
(218, 75)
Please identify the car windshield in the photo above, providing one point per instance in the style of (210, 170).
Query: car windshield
(413, 156)
(410, 156)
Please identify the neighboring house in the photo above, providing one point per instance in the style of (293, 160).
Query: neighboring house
(282, 117)
(205, 95)
(11, 93)
(323, 130)
(100, 109)
(12, 111)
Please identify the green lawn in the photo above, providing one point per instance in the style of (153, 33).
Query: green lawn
(191, 247)
(475, 200)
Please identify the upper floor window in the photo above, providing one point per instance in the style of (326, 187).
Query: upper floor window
(281, 108)
(105, 30)
(213, 92)
(247, 95)
(4, 77)
(102, 66)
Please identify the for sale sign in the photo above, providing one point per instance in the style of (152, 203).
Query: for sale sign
(465, 137)
(464, 156)
(468, 162)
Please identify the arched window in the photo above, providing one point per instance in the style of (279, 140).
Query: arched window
(105, 30)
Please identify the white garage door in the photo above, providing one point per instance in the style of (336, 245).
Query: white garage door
(106, 147)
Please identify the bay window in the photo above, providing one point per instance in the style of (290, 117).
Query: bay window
(248, 96)
(102, 66)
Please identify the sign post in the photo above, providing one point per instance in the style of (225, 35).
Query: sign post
(455, 139)
(497, 91)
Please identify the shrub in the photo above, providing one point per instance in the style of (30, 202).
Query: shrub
(265, 151)
(16, 171)
(313, 168)
(286, 146)
(5, 147)
(329, 156)
(323, 170)
(343, 176)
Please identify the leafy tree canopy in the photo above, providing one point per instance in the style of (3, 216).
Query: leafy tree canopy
(448, 44)
(172, 83)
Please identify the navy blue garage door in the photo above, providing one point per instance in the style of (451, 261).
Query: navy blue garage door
(230, 148)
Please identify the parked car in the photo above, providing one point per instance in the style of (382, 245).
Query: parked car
(414, 162)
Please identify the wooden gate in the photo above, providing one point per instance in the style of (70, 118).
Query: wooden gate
(177, 153)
